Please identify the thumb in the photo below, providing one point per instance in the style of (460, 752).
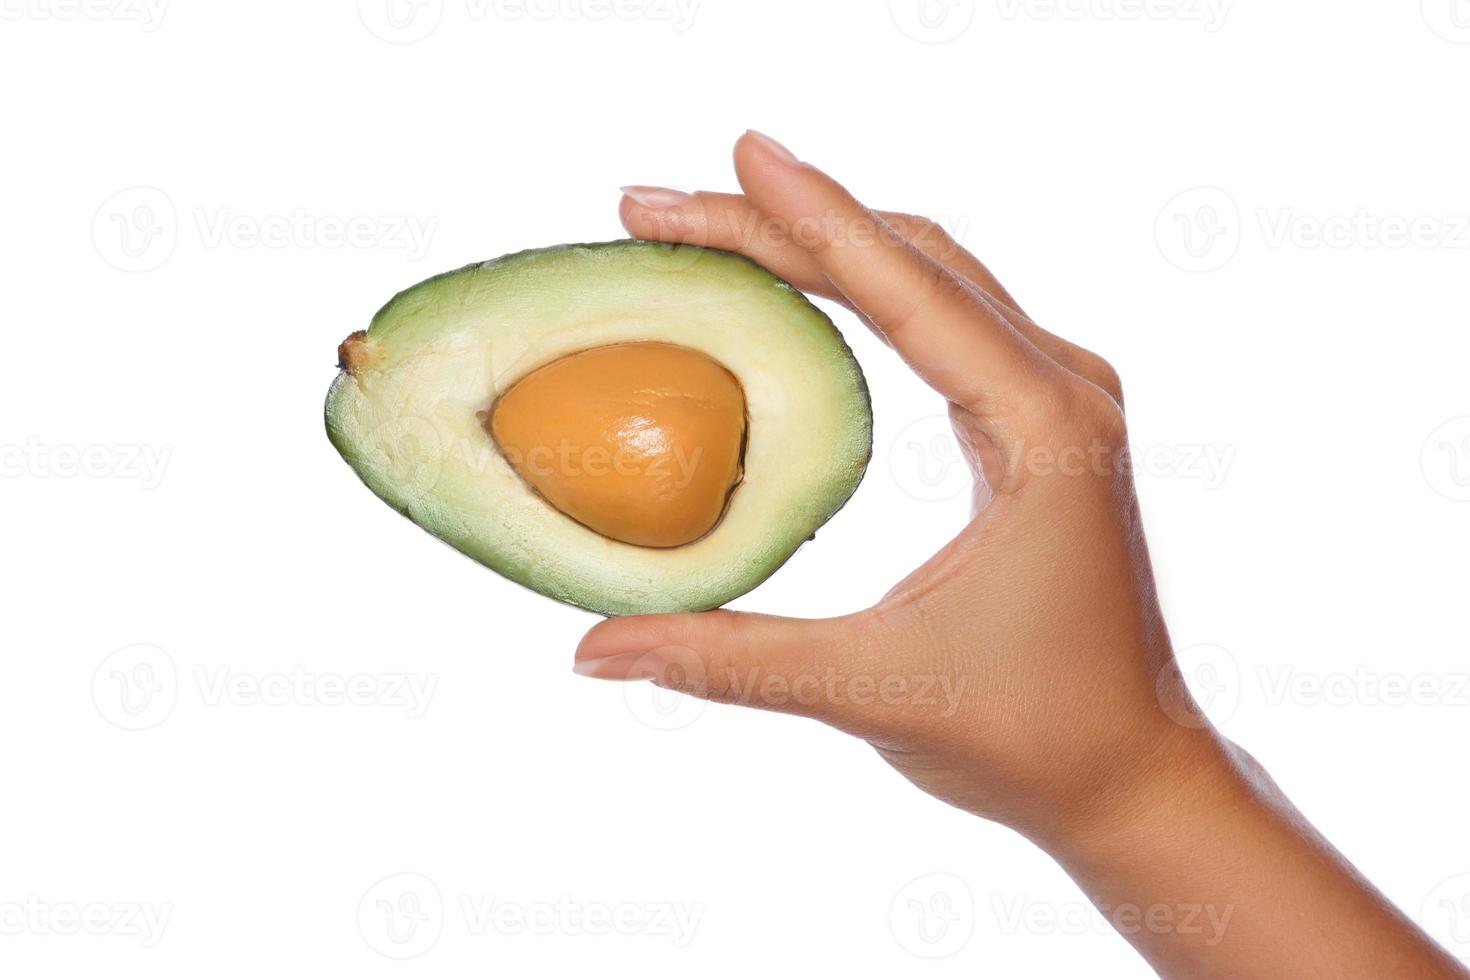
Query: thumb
(769, 662)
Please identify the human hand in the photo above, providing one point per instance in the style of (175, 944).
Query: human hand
(1063, 713)
(1021, 663)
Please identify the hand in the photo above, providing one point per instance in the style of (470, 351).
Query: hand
(1024, 673)
(1020, 663)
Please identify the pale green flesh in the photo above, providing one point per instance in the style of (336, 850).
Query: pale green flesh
(439, 352)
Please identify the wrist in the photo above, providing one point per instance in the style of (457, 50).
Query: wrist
(1185, 781)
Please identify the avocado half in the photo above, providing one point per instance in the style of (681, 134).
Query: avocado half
(407, 409)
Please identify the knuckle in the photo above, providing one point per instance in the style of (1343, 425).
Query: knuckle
(903, 222)
(938, 242)
(928, 235)
(1076, 410)
(1095, 413)
(942, 287)
(1104, 375)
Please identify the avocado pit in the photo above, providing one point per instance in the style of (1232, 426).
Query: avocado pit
(642, 442)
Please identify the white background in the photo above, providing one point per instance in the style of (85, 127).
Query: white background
(1319, 559)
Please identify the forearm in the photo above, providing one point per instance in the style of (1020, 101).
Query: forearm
(1218, 876)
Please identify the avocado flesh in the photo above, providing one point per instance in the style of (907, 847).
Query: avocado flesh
(406, 413)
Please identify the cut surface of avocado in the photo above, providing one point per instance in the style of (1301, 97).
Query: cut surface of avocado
(628, 427)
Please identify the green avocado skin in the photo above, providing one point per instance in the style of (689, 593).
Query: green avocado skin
(532, 284)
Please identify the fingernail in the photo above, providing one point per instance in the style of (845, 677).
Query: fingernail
(656, 197)
(618, 667)
(776, 150)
